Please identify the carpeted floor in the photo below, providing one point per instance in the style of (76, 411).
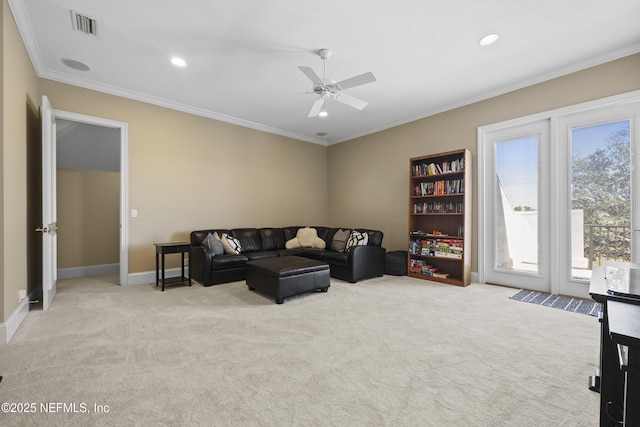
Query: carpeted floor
(390, 351)
(574, 305)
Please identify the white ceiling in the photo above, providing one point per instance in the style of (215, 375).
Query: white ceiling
(243, 55)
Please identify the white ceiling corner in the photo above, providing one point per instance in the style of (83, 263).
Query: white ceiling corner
(242, 56)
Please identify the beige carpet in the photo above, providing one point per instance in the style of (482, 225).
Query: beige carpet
(391, 351)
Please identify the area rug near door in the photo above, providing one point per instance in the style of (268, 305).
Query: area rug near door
(574, 305)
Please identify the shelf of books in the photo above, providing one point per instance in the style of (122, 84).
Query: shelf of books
(440, 218)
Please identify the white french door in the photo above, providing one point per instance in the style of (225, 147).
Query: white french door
(598, 187)
(517, 199)
(557, 195)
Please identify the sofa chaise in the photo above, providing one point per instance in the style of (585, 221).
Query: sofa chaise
(347, 261)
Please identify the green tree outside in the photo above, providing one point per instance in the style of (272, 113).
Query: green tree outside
(601, 187)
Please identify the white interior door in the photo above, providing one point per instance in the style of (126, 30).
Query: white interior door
(49, 223)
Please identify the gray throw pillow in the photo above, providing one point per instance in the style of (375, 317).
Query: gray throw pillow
(340, 240)
(213, 242)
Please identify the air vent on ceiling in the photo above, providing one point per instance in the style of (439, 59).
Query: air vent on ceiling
(84, 24)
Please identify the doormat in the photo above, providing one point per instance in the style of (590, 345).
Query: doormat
(574, 305)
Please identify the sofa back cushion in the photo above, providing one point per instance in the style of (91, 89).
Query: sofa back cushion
(272, 238)
(290, 232)
(249, 239)
(197, 237)
(323, 233)
(375, 236)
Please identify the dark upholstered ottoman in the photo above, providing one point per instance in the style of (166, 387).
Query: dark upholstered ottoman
(396, 263)
(283, 277)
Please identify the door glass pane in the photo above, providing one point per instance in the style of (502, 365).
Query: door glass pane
(600, 196)
(516, 204)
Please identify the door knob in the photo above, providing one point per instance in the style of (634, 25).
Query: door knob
(52, 229)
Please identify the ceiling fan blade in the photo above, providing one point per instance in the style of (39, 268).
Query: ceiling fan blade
(351, 101)
(362, 79)
(316, 107)
(308, 71)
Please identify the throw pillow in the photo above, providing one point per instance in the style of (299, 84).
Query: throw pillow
(213, 242)
(231, 244)
(339, 241)
(292, 244)
(357, 238)
(308, 238)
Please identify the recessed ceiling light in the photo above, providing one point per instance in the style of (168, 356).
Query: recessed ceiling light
(322, 134)
(178, 62)
(76, 65)
(489, 39)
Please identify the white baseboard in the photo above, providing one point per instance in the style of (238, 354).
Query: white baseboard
(8, 329)
(89, 270)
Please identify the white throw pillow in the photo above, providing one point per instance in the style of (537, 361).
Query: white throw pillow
(357, 238)
(308, 238)
(231, 244)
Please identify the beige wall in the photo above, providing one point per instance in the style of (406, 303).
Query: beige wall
(88, 217)
(19, 108)
(369, 176)
(188, 172)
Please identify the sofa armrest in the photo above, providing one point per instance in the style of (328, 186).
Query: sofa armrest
(366, 261)
(200, 264)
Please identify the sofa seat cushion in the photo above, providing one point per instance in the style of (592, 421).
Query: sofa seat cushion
(261, 255)
(225, 261)
(336, 258)
(313, 253)
(290, 252)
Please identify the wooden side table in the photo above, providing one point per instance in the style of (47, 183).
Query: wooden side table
(171, 248)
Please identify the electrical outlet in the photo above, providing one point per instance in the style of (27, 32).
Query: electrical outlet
(22, 294)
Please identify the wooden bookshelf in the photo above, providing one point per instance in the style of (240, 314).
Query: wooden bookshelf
(440, 218)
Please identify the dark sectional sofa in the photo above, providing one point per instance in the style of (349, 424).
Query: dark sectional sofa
(358, 263)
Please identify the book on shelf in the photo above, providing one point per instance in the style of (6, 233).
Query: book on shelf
(421, 267)
(439, 188)
(432, 168)
(438, 207)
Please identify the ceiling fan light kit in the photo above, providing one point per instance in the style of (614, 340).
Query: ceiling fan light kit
(327, 88)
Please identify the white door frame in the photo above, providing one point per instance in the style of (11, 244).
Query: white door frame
(124, 180)
(555, 172)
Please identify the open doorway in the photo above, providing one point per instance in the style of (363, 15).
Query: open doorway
(88, 199)
(91, 180)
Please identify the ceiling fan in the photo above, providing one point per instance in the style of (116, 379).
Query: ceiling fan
(328, 88)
